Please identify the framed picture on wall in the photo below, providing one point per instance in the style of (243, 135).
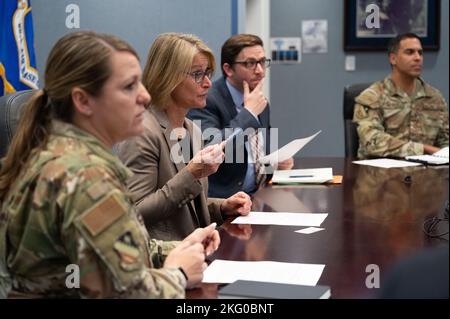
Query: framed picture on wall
(370, 24)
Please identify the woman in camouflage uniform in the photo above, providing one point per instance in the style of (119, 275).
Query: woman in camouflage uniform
(67, 225)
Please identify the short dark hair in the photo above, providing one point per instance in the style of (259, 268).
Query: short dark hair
(234, 45)
(394, 43)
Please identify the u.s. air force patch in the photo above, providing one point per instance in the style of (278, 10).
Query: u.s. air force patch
(103, 214)
(128, 251)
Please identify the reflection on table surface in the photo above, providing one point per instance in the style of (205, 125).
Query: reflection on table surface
(374, 217)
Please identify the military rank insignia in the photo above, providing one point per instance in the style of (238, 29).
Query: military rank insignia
(128, 251)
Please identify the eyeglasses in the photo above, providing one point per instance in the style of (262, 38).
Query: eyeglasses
(251, 64)
(199, 76)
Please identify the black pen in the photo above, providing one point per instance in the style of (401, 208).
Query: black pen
(296, 176)
(418, 161)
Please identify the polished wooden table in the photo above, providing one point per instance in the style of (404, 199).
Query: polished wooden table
(375, 217)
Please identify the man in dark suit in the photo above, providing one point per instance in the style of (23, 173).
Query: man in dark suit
(237, 101)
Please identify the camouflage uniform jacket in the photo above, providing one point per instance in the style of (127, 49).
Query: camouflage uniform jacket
(393, 124)
(70, 207)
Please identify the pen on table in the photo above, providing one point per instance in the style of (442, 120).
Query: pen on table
(297, 176)
(418, 161)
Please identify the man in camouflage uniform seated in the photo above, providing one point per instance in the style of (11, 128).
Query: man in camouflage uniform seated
(401, 115)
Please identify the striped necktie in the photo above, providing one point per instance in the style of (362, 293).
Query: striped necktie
(257, 149)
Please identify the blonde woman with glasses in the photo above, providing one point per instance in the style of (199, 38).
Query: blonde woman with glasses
(170, 169)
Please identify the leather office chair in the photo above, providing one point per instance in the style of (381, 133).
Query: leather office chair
(350, 133)
(11, 107)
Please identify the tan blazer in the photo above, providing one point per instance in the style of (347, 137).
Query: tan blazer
(164, 191)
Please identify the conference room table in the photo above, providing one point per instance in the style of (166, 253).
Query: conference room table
(375, 217)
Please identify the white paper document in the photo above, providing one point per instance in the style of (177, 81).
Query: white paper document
(287, 151)
(309, 230)
(311, 175)
(286, 219)
(227, 271)
(386, 163)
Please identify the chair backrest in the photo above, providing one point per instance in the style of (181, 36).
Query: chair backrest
(350, 133)
(11, 107)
